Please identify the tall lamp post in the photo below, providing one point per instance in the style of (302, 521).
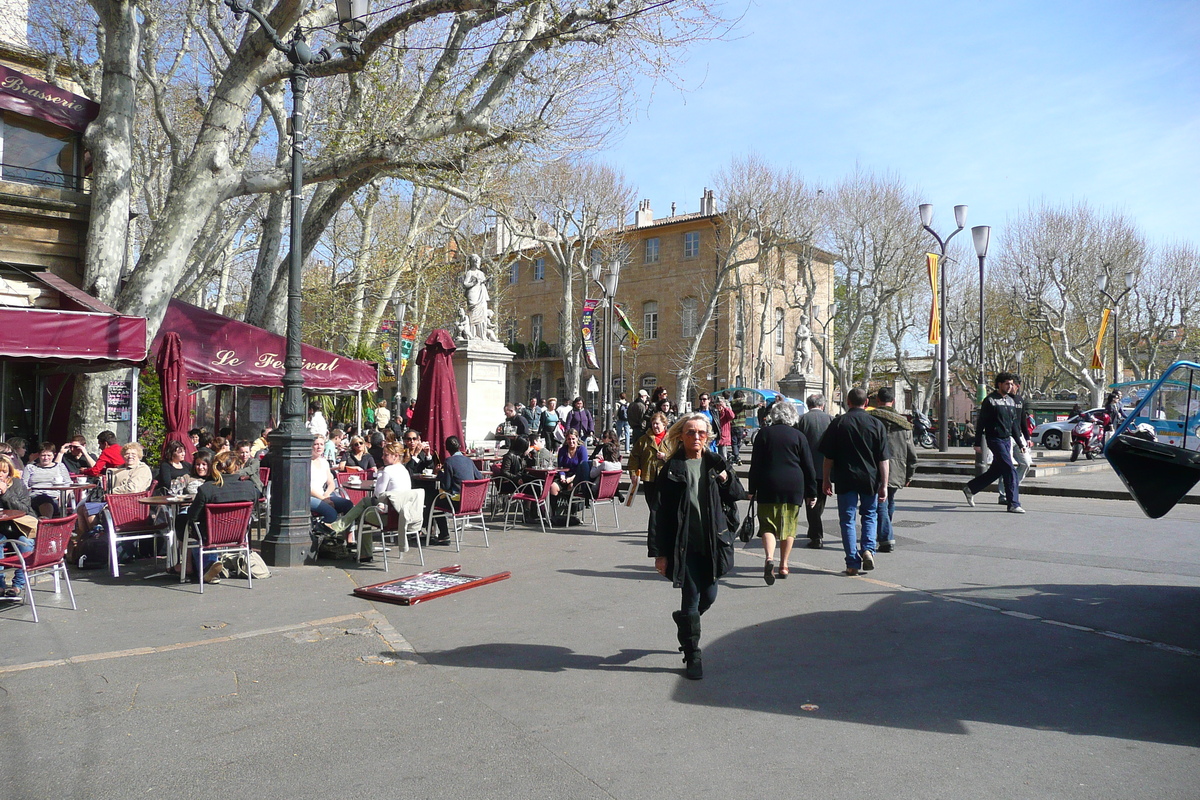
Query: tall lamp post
(608, 286)
(981, 234)
(1116, 303)
(960, 219)
(288, 537)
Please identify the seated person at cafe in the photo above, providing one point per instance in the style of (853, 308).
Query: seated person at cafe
(199, 437)
(357, 457)
(219, 444)
(377, 441)
(519, 424)
(224, 487)
(132, 478)
(44, 470)
(7, 451)
(110, 456)
(322, 501)
(248, 465)
(18, 446)
(71, 455)
(455, 469)
(417, 456)
(335, 445)
(14, 496)
(393, 487)
(512, 467)
(538, 456)
(174, 465)
(260, 444)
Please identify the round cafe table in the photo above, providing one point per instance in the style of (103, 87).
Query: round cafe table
(173, 503)
(68, 493)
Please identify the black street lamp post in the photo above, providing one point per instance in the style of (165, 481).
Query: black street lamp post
(981, 234)
(1116, 303)
(960, 219)
(288, 535)
(608, 285)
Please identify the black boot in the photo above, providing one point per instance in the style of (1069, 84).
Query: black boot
(693, 670)
(683, 628)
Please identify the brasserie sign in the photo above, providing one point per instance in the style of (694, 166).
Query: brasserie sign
(30, 97)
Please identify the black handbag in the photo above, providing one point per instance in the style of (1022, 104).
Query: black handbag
(747, 529)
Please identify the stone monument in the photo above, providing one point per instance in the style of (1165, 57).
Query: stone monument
(795, 384)
(480, 362)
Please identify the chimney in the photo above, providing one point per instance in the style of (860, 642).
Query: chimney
(708, 203)
(644, 215)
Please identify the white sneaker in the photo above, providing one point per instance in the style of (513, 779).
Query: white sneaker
(970, 497)
(868, 561)
(1016, 510)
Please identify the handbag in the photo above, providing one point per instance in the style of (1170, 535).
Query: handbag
(747, 529)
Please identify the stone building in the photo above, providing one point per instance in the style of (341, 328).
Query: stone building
(666, 281)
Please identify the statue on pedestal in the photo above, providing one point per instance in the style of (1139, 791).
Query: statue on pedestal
(478, 323)
(802, 358)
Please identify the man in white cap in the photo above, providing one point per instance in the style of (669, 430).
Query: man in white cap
(637, 413)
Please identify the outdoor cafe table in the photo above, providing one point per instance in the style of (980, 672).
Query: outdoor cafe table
(173, 503)
(66, 491)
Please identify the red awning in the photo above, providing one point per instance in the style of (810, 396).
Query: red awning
(227, 352)
(31, 97)
(72, 338)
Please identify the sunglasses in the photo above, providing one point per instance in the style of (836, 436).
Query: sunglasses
(411, 439)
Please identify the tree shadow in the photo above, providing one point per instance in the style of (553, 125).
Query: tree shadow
(636, 572)
(536, 658)
(923, 663)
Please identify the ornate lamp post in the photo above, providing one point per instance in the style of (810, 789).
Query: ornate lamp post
(981, 234)
(1102, 285)
(288, 537)
(608, 286)
(960, 219)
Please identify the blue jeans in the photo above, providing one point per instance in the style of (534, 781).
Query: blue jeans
(623, 433)
(328, 510)
(848, 503)
(885, 519)
(25, 545)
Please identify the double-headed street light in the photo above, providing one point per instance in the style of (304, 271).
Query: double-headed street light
(960, 219)
(1102, 285)
(288, 537)
(981, 234)
(608, 286)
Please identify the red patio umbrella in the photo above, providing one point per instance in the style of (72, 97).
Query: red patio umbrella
(177, 403)
(436, 413)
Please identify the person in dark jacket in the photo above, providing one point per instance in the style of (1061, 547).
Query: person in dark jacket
(512, 467)
(781, 479)
(903, 463)
(455, 469)
(223, 488)
(999, 423)
(813, 425)
(580, 419)
(690, 541)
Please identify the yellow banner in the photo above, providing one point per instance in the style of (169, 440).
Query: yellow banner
(935, 319)
(1097, 362)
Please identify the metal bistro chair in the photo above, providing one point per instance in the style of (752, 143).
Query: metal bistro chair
(127, 520)
(49, 555)
(262, 508)
(387, 525)
(532, 493)
(603, 492)
(228, 531)
(470, 506)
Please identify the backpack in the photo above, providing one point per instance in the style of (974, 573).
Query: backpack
(622, 413)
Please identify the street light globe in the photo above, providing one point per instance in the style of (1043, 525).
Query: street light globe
(926, 210)
(1102, 283)
(960, 216)
(981, 234)
(1128, 280)
(351, 14)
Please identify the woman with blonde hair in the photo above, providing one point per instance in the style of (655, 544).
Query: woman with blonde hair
(224, 487)
(14, 496)
(648, 455)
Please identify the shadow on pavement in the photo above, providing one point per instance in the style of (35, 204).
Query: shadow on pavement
(537, 658)
(916, 662)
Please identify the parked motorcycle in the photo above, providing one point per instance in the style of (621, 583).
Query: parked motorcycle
(923, 430)
(1087, 437)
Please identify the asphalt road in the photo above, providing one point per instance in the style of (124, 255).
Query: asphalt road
(1053, 655)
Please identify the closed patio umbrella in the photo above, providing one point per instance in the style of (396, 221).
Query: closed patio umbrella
(436, 414)
(177, 403)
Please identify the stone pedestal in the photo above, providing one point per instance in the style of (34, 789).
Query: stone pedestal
(795, 385)
(481, 373)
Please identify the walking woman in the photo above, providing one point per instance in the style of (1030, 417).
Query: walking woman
(690, 541)
(781, 479)
(647, 457)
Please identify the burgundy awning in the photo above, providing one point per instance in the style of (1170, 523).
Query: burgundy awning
(78, 338)
(30, 97)
(228, 352)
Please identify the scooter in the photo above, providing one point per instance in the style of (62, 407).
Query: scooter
(923, 430)
(1087, 437)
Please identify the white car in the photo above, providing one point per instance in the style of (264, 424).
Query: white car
(1055, 435)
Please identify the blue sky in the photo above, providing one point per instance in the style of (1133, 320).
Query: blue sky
(997, 105)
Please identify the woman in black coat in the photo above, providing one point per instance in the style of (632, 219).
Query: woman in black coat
(225, 487)
(690, 541)
(782, 478)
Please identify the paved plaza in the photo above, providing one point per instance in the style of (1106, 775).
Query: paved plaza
(1054, 655)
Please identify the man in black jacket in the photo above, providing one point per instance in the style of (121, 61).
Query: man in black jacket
(813, 425)
(856, 461)
(999, 424)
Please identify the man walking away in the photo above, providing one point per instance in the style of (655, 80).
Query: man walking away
(903, 462)
(999, 424)
(856, 454)
(813, 425)
(638, 420)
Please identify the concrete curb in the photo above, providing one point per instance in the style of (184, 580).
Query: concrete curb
(1051, 491)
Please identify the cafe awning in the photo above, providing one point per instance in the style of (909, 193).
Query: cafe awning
(227, 352)
(86, 340)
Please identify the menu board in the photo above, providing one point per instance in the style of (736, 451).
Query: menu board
(118, 404)
(426, 585)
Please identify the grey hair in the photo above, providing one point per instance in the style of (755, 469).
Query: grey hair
(816, 400)
(783, 413)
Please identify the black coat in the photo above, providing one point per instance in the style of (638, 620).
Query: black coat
(671, 520)
(781, 468)
(231, 490)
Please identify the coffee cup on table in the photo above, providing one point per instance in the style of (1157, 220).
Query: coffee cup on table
(426, 472)
(81, 479)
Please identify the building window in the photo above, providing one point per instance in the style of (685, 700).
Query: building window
(687, 317)
(539, 269)
(652, 250)
(511, 333)
(779, 331)
(740, 325)
(691, 244)
(40, 153)
(650, 320)
(535, 328)
(514, 272)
